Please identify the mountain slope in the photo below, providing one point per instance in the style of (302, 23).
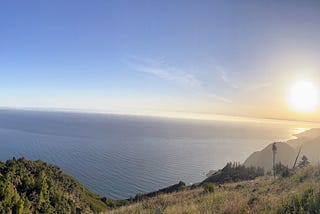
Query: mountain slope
(36, 187)
(308, 141)
(285, 154)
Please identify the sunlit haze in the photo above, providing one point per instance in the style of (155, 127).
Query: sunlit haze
(303, 97)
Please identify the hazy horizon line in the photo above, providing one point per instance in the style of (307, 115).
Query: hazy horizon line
(168, 115)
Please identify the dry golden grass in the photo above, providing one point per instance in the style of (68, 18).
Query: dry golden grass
(262, 195)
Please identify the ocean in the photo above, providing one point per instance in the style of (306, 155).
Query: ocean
(120, 156)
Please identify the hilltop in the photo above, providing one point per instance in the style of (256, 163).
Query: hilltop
(37, 187)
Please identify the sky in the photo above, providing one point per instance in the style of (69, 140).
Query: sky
(169, 58)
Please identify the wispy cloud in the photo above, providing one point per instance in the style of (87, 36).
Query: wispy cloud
(160, 70)
(171, 75)
(225, 77)
(238, 84)
(258, 86)
(218, 97)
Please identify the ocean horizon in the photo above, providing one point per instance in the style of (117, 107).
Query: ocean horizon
(119, 156)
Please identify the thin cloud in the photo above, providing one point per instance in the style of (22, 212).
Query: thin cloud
(147, 61)
(159, 69)
(226, 100)
(223, 74)
(168, 75)
(227, 80)
(258, 86)
(236, 84)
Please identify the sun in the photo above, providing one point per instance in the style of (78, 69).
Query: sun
(303, 96)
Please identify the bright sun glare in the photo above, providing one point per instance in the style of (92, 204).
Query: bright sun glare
(303, 96)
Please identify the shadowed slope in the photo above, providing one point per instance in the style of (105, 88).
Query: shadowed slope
(285, 154)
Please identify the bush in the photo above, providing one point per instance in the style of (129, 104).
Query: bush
(305, 202)
(208, 187)
(282, 170)
(304, 162)
(36, 187)
(234, 172)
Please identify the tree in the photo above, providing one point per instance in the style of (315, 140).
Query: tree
(304, 162)
(274, 151)
(233, 172)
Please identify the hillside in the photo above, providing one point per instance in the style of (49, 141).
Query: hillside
(36, 187)
(299, 193)
(308, 141)
(233, 172)
(285, 154)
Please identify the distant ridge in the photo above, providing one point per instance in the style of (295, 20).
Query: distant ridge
(308, 141)
(285, 154)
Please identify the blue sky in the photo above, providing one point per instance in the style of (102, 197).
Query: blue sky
(157, 57)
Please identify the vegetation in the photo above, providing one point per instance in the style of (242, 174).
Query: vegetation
(235, 172)
(174, 188)
(282, 170)
(297, 193)
(36, 187)
(304, 162)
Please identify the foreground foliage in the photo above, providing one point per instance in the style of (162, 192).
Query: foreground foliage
(36, 187)
(297, 193)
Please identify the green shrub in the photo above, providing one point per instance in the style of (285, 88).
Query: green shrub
(305, 202)
(36, 187)
(208, 187)
(233, 172)
(282, 170)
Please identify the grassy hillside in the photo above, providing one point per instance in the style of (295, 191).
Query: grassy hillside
(298, 193)
(36, 187)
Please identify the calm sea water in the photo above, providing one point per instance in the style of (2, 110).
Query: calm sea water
(120, 156)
